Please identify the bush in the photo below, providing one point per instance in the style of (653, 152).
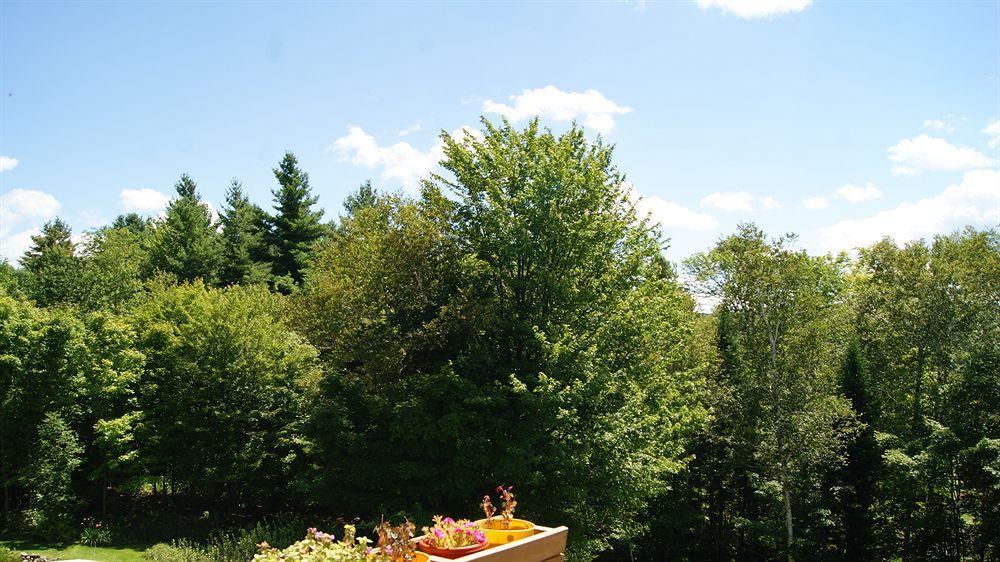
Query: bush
(317, 547)
(8, 555)
(178, 551)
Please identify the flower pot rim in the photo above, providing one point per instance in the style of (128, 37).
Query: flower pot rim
(425, 546)
(525, 525)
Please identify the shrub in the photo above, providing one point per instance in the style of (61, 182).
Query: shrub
(318, 546)
(178, 551)
(8, 555)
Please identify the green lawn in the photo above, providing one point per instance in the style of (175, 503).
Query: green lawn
(117, 554)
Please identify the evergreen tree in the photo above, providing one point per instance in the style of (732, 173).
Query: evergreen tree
(295, 226)
(132, 221)
(859, 471)
(49, 479)
(363, 197)
(186, 243)
(51, 265)
(243, 243)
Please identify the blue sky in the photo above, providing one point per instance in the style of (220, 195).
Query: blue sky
(839, 120)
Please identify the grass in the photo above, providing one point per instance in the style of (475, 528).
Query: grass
(110, 554)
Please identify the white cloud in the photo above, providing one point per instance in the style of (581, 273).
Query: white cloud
(672, 215)
(143, 200)
(769, 203)
(925, 153)
(856, 194)
(399, 161)
(13, 247)
(729, 201)
(21, 205)
(21, 213)
(749, 9)
(596, 111)
(7, 163)
(815, 203)
(939, 125)
(993, 130)
(411, 129)
(975, 201)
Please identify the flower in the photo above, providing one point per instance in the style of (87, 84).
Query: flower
(448, 533)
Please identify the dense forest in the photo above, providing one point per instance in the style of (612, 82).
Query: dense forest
(515, 322)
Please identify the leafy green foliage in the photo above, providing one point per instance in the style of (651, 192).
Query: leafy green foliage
(223, 390)
(516, 322)
(779, 333)
(52, 503)
(528, 313)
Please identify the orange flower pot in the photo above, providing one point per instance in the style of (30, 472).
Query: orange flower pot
(449, 553)
(497, 534)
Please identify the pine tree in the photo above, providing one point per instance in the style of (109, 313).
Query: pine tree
(296, 226)
(858, 473)
(243, 244)
(365, 196)
(51, 265)
(186, 243)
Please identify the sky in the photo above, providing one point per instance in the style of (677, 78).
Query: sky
(841, 121)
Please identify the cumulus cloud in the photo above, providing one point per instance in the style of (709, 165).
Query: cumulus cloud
(993, 130)
(596, 111)
(13, 246)
(939, 125)
(815, 203)
(729, 201)
(751, 9)
(975, 201)
(143, 200)
(21, 205)
(673, 215)
(21, 213)
(926, 153)
(401, 161)
(7, 163)
(857, 194)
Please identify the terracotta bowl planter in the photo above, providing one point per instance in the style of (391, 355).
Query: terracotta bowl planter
(449, 553)
(496, 534)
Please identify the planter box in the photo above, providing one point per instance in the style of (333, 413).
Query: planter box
(548, 544)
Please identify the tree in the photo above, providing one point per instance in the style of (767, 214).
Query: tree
(49, 479)
(131, 221)
(186, 243)
(860, 471)
(925, 314)
(243, 240)
(295, 226)
(362, 198)
(116, 261)
(523, 322)
(52, 266)
(223, 393)
(782, 308)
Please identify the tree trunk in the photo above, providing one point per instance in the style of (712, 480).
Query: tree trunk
(788, 519)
